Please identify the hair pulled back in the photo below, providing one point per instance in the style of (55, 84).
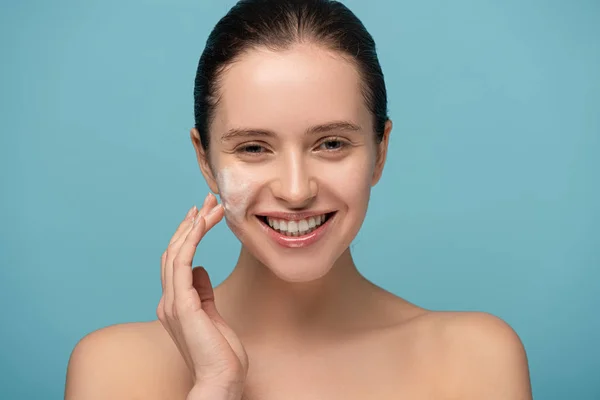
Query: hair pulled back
(278, 25)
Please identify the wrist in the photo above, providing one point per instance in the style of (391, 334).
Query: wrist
(207, 391)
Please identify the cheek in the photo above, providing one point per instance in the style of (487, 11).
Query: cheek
(351, 182)
(236, 191)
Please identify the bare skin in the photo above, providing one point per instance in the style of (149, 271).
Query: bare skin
(378, 346)
(425, 355)
(288, 323)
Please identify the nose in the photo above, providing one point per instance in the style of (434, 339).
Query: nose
(295, 186)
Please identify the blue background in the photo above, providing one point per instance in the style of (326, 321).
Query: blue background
(490, 199)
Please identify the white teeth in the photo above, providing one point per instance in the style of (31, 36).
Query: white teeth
(296, 228)
(303, 225)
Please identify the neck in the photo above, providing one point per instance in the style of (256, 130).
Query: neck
(257, 303)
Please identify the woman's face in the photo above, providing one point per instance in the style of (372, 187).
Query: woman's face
(293, 157)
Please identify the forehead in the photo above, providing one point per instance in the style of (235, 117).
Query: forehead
(289, 91)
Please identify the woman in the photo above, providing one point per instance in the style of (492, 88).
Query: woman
(291, 131)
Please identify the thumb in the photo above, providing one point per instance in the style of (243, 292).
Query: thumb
(202, 284)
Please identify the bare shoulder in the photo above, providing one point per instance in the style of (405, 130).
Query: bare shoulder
(126, 361)
(482, 355)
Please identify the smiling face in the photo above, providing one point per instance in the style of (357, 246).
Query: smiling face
(293, 157)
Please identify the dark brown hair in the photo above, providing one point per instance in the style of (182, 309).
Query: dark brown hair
(278, 25)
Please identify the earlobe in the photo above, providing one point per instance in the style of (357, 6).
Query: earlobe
(382, 148)
(204, 161)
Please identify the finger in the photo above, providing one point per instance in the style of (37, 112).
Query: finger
(203, 333)
(211, 218)
(209, 351)
(189, 218)
(163, 261)
(184, 292)
(214, 216)
(166, 261)
(160, 309)
(202, 284)
(174, 245)
(172, 252)
(204, 288)
(209, 202)
(174, 248)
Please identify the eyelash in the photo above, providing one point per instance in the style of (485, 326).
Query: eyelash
(244, 149)
(342, 145)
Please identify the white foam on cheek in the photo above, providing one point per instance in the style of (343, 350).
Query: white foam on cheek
(235, 189)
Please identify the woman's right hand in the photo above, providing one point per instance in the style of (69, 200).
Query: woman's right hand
(210, 348)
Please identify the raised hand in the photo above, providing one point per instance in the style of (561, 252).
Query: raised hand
(210, 348)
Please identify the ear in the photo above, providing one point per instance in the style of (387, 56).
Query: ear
(382, 148)
(204, 161)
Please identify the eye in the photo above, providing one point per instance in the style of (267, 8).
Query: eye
(332, 144)
(252, 148)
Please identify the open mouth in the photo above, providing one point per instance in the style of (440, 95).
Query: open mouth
(297, 228)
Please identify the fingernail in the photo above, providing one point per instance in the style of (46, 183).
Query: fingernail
(206, 199)
(197, 219)
(214, 210)
(190, 212)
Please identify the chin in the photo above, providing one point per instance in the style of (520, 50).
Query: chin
(296, 268)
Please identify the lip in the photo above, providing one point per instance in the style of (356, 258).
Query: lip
(297, 241)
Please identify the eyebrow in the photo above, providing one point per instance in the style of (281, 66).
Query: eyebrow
(313, 130)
